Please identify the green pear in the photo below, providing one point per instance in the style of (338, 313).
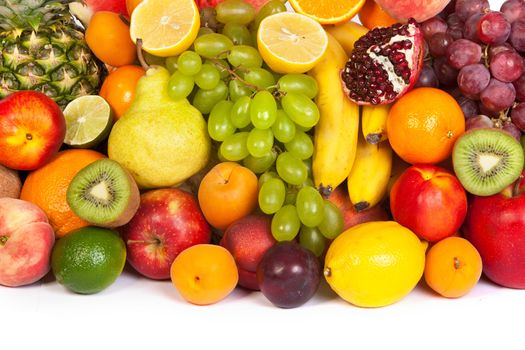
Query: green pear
(161, 142)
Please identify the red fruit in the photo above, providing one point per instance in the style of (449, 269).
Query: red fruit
(385, 64)
(118, 6)
(32, 129)
(495, 225)
(403, 10)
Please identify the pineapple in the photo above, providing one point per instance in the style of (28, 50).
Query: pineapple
(42, 48)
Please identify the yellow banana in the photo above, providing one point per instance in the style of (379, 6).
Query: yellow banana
(347, 34)
(368, 180)
(336, 133)
(373, 123)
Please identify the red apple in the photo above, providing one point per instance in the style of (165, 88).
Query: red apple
(26, 242)
(495, 225)
(430, 201)
(402, 10)
(32, 129)
(351, 217)
(167, 222)
(85, 10)
(247, 239)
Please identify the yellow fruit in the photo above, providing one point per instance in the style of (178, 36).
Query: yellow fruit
(166, 27)
(347, 34)
(290, 42)
(328, 11)
(375, 264)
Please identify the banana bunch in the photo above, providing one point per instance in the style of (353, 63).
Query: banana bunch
(373, 123)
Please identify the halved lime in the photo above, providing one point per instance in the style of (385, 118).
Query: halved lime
(88, 121)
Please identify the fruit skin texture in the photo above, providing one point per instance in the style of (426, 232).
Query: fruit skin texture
(26, 241)
(204, 274)
(47, 188)
(375, 264)
(495, 225)
(119, 87)
(32, 129)
(167, 222)
(228, 192)
(420, 10)
(453, 267)
(430, 201)
(10, 184)
(248, 239)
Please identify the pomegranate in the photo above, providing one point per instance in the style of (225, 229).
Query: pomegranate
(385, 64)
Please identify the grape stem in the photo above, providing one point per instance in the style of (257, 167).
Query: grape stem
(234, 74)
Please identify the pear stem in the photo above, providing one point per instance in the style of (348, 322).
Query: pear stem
(140, 55)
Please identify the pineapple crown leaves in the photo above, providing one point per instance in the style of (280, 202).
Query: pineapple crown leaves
(22, 14)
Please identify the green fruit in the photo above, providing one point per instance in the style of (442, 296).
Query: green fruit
(88, 260)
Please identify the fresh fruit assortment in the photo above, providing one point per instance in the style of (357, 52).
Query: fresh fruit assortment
(249, 143)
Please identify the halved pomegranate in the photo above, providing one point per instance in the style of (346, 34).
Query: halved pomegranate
(385, 64)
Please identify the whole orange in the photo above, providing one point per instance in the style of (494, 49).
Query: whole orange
(453, 267)
(118, 88)
(372, 15)
(423, 125)
(204, 274)
(227, 193)
(47, 187)
(107, 35)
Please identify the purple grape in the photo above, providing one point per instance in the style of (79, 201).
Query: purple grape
(519, 85)
(513, 10)
(493, 28)
(455, 26)
(466, 8)
(427, 77)
(473, 79)
(498, 96)
(507, 66)
(438, 44)
(518, 116)
(463, 52)
(470, 31)
(454, 92)
(517, 35)
(288, 274)
(469, 107)
(433, 25)
(485, 111)
(446, 75)
(512, 130)
(494, 50)
(479, 121)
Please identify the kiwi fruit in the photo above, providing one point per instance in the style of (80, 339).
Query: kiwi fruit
(487, 160)
(10, 184)
(104, 194)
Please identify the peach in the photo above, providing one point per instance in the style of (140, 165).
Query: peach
(26, 241)
(420, 10)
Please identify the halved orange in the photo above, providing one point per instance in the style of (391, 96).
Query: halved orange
(328, 11)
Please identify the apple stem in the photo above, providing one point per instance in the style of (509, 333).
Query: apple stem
(140, 55)
(516, 188)
(3, 240)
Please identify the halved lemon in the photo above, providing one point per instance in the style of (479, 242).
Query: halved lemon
(290, 42)
(328, 11)
(166, 27)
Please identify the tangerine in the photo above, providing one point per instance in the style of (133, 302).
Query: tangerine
(372, 15)
(118, 88)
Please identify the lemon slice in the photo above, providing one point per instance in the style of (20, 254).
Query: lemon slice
(290, 42)
(166, 27)
(88, 121)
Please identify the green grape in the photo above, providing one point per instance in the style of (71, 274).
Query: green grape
(208, 77)
(220, 157)
(308, 164)
(212, 45)
(221, 65)
(283, 128)
(271, 196)
(291, 169)
(302, 110)
(310, 206)
(204, 100)
(235, 11)
(270, 8)
(285, 223)
(260, 164)
(333, 223)
(238, 90)
(219, 123)
(189, 63)
(267, 175)
(302, 128)
(180, 86)
(312, 239)
(301, 146)
(234, 147)
(259, 77)
(260, 142)
(299, 84)
(291, 194)
(171, 64)
(238, 33)
(204, 30)
(240, 113)
(263, 110)
(246, 56)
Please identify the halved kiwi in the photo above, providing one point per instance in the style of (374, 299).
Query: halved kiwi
(487, 160)
(104, 194)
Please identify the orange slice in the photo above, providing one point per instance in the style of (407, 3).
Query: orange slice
(328, 11)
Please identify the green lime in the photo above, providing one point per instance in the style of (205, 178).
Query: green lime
(88, 260)
(88, 121)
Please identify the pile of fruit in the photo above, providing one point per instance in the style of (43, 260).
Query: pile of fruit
(254, 144)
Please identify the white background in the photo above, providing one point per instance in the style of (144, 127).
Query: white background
(139, 313)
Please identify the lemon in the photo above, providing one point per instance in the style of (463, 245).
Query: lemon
(375, 264)
(166, 27)
(290, 42)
